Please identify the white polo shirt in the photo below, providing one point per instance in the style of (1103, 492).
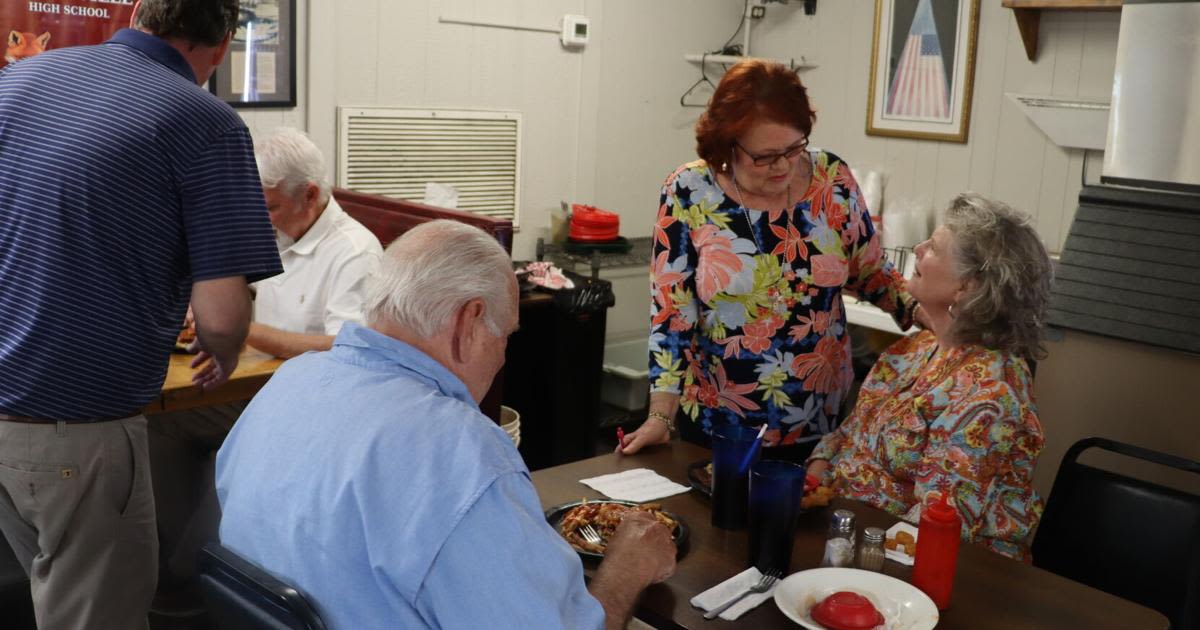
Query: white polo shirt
(322, 282)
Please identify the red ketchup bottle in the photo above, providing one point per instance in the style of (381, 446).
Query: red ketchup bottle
(938, 538)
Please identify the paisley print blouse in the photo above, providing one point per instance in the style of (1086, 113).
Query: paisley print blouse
(747, 320)
(961, 421)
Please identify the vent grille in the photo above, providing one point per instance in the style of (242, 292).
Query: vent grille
(395, 152)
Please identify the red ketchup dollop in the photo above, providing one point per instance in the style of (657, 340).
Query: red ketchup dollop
(845, 610)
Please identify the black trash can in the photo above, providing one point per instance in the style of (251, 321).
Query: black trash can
(553, 370)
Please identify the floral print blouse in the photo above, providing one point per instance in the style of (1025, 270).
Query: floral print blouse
(961, 422)
(748, 326)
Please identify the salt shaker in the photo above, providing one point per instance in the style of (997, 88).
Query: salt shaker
(839, 547)
(870, 554)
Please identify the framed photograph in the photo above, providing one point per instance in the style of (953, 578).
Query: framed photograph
(922, 69)
(260, 68)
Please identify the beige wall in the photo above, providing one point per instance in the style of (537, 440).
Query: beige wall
(1129, 392)
(397, 53)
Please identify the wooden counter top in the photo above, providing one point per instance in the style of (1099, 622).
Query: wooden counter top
(178, 393)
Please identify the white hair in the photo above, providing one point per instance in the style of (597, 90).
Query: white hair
(432, 270)
(289, 160)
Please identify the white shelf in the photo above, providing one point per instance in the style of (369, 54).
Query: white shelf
(799, 63)
(869, 315)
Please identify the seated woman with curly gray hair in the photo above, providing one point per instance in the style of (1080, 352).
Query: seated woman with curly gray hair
(951, 408)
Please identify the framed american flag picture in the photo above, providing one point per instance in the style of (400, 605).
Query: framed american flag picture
(922, 69)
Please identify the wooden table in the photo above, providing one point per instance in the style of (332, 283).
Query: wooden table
(178, 393)
(990, 591)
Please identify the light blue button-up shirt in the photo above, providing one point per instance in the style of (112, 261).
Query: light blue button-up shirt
(367, 478)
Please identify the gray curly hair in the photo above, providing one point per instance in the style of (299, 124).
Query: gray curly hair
(997, 247)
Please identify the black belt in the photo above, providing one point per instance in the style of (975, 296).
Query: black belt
(27, 420)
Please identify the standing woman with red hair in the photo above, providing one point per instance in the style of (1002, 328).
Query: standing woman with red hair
(754, 243)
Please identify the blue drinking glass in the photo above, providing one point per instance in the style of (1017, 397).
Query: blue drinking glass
(776, 488)
(730, 483)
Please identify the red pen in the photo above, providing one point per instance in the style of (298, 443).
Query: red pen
(620, 439)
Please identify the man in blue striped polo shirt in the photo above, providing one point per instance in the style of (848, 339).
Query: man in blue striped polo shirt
(125, 190)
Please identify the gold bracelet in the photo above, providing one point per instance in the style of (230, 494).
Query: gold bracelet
(662, 417)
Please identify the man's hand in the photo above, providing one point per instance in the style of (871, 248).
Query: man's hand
(210, 372)
(643, 548)
(221, 308)
(639, 554)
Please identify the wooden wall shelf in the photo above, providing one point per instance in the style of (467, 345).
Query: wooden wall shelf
(1028, 14)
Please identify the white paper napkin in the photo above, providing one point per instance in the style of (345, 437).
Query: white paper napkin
(721, 593)
(899, 555)
(638, 485)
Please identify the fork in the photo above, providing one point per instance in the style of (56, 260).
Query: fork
(590, 535)
(767, 581)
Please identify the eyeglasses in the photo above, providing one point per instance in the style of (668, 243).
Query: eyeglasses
(769, 159)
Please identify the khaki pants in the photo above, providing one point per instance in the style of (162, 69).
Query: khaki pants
(77, 508)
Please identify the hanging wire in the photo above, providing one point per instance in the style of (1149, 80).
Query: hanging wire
(741, 23)
(725, 49)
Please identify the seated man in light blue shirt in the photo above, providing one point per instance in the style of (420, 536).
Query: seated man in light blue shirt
(367, 477)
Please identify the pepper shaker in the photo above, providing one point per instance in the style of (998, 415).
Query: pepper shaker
(870, 554)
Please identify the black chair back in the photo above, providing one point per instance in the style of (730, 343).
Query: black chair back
(242, 596)
(1132, 538)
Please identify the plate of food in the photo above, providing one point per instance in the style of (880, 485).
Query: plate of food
(699, 476)
(185, 338)
(832, 597)
(604, 515)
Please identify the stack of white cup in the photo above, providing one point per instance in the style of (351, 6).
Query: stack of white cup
(510, 421)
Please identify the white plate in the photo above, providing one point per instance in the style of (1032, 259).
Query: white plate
(904, 607)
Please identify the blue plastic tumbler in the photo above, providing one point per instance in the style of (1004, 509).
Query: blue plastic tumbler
(775, 491)
(730, 482)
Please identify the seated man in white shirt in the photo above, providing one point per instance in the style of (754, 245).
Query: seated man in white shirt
(326, 253)
(326, 256)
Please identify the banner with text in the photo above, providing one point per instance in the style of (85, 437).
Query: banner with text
(33, 27)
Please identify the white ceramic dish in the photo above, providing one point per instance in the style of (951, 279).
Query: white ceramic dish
(904, 607)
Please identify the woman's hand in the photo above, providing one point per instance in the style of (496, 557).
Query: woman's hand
(818, 468)
(651, 432)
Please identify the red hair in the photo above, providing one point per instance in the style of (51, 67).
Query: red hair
(752, 91)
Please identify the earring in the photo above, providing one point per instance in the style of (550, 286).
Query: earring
(724, 166)
(950, 310)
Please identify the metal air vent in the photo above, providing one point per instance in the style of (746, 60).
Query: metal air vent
(396, 151)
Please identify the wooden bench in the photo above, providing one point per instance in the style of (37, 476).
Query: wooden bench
(388, 218)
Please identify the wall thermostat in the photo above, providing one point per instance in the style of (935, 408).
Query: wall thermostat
(575, 30)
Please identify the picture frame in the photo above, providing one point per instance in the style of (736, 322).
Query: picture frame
(923, 69)
(260, 68)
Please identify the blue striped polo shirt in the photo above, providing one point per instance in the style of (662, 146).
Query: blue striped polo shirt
(121, 183)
